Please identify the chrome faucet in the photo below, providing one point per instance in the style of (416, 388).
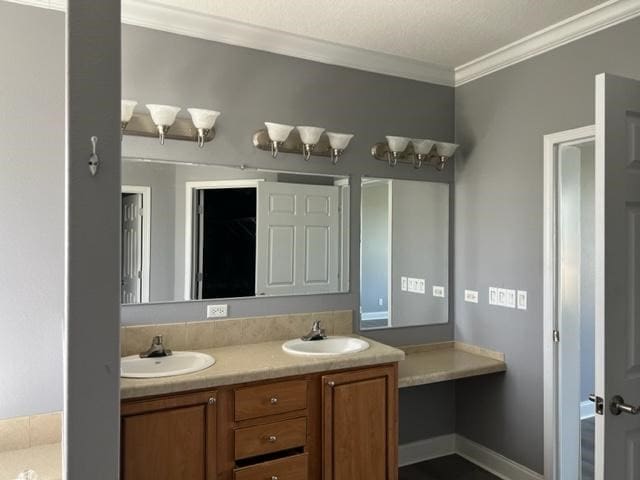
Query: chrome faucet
(157, 349)
(316, 333)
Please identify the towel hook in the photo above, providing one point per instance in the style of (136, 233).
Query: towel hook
(94, 160)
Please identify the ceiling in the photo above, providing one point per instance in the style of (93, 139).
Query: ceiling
(445, 32)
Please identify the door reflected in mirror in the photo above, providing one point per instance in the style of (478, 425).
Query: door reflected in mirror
(404, 253)
(193, 232)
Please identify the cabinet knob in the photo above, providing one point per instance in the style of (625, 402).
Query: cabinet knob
(274, 477)
(272, 439)
(212, 401)
(273, 400)
(331, 383)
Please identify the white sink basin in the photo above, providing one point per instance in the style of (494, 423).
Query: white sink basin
(328, 346)
(180, 363)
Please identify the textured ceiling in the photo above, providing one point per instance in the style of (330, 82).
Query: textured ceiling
(446, 32)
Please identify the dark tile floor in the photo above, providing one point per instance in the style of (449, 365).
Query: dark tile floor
(451, 467)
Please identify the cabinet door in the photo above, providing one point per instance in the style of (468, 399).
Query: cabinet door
(360, 425)
(169, 438)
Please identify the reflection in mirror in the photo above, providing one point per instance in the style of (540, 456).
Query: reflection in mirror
(404, 253)
(194, 231)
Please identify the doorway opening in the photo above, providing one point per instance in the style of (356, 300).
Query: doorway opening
(570, 303)
(135, 244)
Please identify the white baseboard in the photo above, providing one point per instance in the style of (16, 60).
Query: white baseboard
(428, 449)
(493, 462)
(587, 409)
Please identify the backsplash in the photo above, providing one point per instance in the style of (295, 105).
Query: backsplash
(25, 432)
(236, 331)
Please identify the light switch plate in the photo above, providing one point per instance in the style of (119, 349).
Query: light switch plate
(421, 285)
(471, 296)
(493, 296)
(217, 311)
(502, 297)
(403, 284)
(522, 299)
(510, 298)
(438, 291)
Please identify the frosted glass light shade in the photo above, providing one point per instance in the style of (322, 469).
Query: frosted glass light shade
(126, 110)
(339, 141)
(163, 115)
(446, 149)
(202, 118)
(397, 144)
(278, 132)
(422, 146)
(310, 135)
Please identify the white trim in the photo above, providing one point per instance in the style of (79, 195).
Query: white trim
(573, 28)
(145, 191)
(428, 449)
(381, 315)
(587, 409)
(390, 256)
(493, 462)
(550, 356)
(188, 233)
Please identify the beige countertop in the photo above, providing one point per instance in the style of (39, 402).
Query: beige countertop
(255, 362)
(439, 362)
(45, 460)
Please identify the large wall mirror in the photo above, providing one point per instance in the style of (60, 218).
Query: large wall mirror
(404, 253)
(196, 232)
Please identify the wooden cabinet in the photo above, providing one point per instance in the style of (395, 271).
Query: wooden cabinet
(359, 421)
(169, 438)
(338, 426)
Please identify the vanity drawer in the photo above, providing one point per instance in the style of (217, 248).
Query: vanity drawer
(269, 438)
(270, 399)
(290, 468)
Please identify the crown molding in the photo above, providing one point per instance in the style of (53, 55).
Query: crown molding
(157, 16)
(168, 18)
(573, 28)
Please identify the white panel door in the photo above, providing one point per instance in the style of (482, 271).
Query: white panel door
(297, 239)
(131, 284)
(617, 275)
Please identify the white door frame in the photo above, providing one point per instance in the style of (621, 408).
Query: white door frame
(550, 368)
(188, 230)
(145, 191)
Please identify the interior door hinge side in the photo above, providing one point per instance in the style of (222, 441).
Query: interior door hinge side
(556, 336)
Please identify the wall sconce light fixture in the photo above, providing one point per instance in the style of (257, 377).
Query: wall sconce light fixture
(306, 140)
(309, 136)
(163, 116)
(278, 133)
(126, 112)
(414, 152)
(203, 120)
(397, 146)
(338, 143)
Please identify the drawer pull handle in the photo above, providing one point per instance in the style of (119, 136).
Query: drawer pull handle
(272, 439)
(274, 477)
(273, 400)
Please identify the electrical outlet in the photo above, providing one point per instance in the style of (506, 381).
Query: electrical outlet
(217, 311)
(522, 300)
(471, 296)
(403, 284)
(510, 300)
(380, 301)
(438, 291)
(493, 296)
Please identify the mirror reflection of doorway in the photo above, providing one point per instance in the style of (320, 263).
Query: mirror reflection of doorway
(135, 244)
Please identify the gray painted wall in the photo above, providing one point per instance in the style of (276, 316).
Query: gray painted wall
(500, 122)
(249, 87)
(32, 210)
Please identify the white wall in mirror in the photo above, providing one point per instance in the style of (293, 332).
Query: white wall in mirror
(404, 253)
(195, 231)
